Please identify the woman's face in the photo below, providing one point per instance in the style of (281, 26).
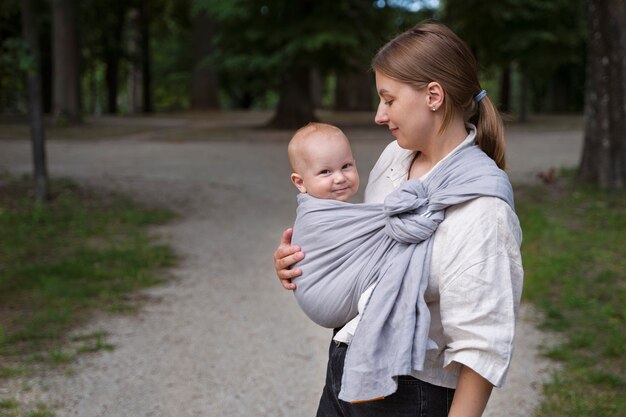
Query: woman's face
(405, 111)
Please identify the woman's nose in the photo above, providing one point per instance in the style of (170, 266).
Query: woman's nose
(381, 115)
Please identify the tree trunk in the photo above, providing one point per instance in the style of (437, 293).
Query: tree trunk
(204, 86)
(95, 104)
(505, 89)
(134, 70)
(112, 57)
(604, 151)
(295, 104)
(66, 90)
(29, 28)
(523, 105)
(146, 70)
(317, 88)
(354, 92)
(110, 76)
(46, 67)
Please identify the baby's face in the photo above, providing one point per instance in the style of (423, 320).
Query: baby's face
(330, 171)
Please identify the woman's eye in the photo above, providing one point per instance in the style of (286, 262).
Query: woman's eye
(388, 102)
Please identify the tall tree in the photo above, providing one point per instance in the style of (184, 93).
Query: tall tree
(276, 44)
(204, 85)
(134, 71)
(146, 55)
(295, 102)
(108, 18)
(604, 151)
(66, 90)
(540, 37)
(354, 92)
(31, 36)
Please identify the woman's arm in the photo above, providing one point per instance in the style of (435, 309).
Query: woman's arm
(471, 395)
(284, 257)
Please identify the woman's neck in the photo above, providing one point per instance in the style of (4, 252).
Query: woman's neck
(438, 148)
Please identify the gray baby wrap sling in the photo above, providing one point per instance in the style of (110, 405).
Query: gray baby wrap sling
(349, 247)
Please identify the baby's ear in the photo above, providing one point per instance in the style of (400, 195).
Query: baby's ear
(298, 182)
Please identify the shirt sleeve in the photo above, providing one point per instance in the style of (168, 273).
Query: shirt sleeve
(480, 293)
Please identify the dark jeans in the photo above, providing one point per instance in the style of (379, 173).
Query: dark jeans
(414, 398)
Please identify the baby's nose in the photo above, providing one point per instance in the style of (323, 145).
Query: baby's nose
(339, 177)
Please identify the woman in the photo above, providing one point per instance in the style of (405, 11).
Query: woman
(432, 102)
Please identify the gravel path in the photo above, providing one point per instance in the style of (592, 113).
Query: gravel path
(222, 339)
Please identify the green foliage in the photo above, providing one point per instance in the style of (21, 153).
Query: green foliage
(14, 61)
(548, 33)
(171, 54)
(546, 38)
(574, 238)
(258, 42)
(60, 261)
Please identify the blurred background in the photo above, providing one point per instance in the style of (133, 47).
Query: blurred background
(142, 56)
(184, 107)
(75, 59)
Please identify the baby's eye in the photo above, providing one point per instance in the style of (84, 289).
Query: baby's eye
(325, 172)
(348, 165)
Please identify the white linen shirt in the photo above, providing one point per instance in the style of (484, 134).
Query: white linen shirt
(475, 284)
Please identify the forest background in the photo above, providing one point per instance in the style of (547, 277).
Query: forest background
(67, 62)
(143, 56)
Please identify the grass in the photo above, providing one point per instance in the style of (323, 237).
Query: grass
(12, 408)
(575, 271)
(82, 252)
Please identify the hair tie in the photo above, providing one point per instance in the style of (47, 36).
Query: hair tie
(480, 96)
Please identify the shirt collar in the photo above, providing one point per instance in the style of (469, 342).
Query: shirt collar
(398, 172)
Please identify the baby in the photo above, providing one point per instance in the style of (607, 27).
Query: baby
(325, 173)
(322, 162)
(352, 248)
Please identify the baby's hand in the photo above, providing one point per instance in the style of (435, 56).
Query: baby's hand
(284, 257)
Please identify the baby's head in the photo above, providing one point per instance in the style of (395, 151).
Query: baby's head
(322, 162)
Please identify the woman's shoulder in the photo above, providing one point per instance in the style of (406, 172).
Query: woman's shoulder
(482, 213)
(485, 224)
(479, 232)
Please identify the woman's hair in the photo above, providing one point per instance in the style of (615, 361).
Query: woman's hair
(431, 52)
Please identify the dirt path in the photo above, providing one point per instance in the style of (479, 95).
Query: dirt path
(221, 339)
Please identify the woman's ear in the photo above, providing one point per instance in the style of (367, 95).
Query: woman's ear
(435, 95)
(298, 182)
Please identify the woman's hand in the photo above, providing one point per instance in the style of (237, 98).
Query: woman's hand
(284, 257)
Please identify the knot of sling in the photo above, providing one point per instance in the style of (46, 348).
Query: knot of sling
(405, 209)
